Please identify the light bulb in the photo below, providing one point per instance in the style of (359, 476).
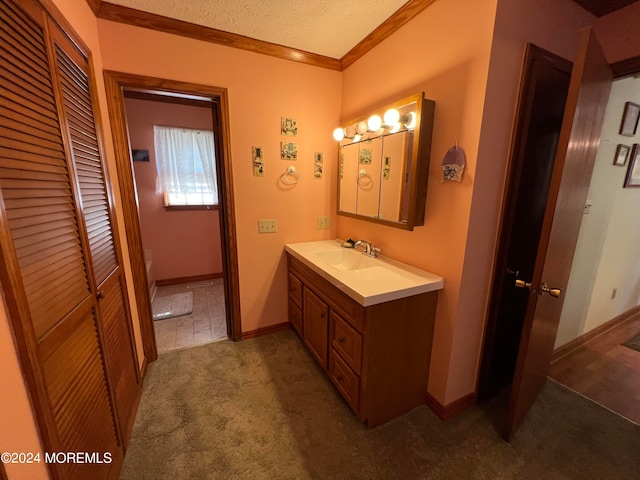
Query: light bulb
(395, 128)
(374, 123)
(391, 117)
(349, 132)
(410, 120)
(338, 134)
(361, 128)
(357, 138)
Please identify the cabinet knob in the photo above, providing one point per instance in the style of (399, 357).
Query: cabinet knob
(341, 340)
(322, 315)
(100, 295)
(340, 377)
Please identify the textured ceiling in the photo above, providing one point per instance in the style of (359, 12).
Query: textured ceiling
(325, 27)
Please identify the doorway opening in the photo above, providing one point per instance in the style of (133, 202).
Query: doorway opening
(173, 151)
(594, 354)
(543, 95)
(216, 236)
(553, 156)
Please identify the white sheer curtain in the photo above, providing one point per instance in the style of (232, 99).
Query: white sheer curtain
(186, 164)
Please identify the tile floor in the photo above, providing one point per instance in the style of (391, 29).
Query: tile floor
(205, 324)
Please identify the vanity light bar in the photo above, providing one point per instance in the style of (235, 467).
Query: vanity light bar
(392, 121)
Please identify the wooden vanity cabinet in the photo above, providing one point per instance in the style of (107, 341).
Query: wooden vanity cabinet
(377, 356)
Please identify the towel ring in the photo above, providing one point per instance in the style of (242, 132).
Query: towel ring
(362, 175)
(291, 176)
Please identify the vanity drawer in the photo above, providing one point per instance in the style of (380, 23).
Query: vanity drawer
(295, 316)
(346, 341)
(345, 379)
(295, 290)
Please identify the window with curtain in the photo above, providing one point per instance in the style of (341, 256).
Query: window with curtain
(186, 164)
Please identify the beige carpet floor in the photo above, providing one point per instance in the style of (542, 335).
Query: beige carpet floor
(262, 409)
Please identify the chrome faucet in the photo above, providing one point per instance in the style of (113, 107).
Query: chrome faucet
(367, 248)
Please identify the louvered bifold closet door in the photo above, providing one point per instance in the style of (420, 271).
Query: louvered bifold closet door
(75, 89)
(43, 248)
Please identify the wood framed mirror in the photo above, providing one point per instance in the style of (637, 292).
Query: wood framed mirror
(384, 163)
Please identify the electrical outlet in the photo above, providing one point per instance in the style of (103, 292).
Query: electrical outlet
(267, 226)
(322, 223)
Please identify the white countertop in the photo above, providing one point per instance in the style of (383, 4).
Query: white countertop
(367, 280)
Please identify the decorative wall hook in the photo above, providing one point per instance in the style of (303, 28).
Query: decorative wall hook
(453, 164)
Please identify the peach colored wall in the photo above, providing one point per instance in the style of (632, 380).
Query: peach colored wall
(183, 243)
(466, 57)
(445, 54)
(618, 33)
(261, 90)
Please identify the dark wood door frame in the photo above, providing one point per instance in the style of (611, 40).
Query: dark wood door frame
(578, 144)
(532, 355)
(514, 173)
(115, 83)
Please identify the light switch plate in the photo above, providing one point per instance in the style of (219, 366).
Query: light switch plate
(322, 223)
(267, 226)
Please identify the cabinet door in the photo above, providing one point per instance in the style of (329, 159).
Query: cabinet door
(316, 326)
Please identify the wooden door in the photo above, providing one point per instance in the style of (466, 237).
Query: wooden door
(541, 104)
(315, 325)
(60, 261)
(577, 148)
(75, 93)
(43, 248)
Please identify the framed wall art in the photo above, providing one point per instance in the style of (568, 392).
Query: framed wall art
(140, 155)
(288, 126)
(630, 118)
(288, 151)
(622, 153)
(633, 171)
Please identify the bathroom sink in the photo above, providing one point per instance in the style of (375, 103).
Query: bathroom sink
(369, 281)
(346, 259)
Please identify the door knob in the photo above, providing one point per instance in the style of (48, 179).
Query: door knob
(554, 292)
(523, 284)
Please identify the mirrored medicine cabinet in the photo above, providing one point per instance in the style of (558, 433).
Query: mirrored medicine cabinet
(384, 164)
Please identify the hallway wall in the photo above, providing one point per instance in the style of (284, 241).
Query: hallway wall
(608, 252)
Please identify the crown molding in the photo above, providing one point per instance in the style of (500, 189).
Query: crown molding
(95, 6)
(117, 13)
(138, 18)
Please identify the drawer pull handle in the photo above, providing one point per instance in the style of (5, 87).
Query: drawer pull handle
(341, 340)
